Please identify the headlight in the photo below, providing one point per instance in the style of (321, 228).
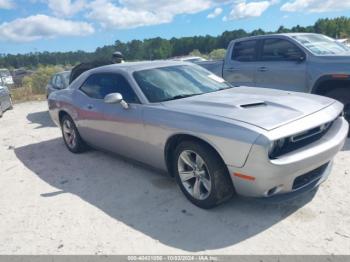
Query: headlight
(271, 148)
(276, 147)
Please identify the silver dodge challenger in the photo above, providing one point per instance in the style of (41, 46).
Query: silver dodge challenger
(215, 139)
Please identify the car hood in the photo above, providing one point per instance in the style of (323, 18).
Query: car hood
(264, 108)
(338, 58)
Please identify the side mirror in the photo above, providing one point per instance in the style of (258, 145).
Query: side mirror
(116, 98)
(301, 58)
(297, 57)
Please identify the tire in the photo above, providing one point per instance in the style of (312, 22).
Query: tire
(343, 96)
(71, 136)
(207, 166)
(1, 112)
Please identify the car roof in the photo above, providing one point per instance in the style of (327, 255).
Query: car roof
(138, 66)
(287, 35)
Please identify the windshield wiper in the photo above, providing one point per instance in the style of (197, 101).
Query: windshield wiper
(181, 96)
(224, 88)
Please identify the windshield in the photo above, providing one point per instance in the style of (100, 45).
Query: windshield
(175, 82)
(321, 45)
(66, 76)
(5, 73)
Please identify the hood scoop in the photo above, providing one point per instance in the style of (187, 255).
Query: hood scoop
(256, 104)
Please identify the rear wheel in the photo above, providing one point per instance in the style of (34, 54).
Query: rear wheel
(71, 136)
(201, 174)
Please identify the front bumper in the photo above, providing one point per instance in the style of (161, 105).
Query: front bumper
(291, 172)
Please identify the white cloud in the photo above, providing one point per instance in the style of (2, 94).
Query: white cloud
(66, 7)
(41, 26)
(242, 9)
(215, 13)
(6, 4)
(110, 15)
(316, 6)
(136, 13)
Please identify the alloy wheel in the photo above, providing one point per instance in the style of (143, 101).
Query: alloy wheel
(69, 133)
(194, 174)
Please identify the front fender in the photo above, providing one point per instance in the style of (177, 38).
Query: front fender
(231, 140)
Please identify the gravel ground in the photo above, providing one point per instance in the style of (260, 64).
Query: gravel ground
(54, 202)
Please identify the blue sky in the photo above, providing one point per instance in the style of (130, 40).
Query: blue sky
(69, 25)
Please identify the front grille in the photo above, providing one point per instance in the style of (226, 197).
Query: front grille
(311, 133)
(302, 139)
(309, 177)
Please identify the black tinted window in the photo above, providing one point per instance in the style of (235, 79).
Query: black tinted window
(99, 85)
(279, 50)
(244, 51)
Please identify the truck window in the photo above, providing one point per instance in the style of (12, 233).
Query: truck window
(279, 50)
(245, 51)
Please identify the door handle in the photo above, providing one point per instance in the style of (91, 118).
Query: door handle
(90, 107)
(263, 69)
(233, 69)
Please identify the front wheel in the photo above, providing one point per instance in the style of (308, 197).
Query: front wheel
(343, 96)
(71, 136)
(201, 174)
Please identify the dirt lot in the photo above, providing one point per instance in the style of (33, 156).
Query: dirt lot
(54, 202)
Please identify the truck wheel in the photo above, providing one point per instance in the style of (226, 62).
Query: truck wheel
(201, 174)
(343, 96)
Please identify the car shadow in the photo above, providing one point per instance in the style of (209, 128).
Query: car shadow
(149, 201)
(42, 118)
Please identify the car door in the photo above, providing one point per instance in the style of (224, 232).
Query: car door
(240, 68)
(5, 101)
(110, 126)
(2, 97)
(281, 65)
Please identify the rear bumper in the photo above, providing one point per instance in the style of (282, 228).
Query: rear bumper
(293, 172)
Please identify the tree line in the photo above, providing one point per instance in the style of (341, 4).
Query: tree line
(159, 48)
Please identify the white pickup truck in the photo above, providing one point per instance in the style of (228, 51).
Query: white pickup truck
(301, 62)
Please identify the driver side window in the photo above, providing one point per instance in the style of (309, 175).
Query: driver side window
(279, 50)
(97, 86)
